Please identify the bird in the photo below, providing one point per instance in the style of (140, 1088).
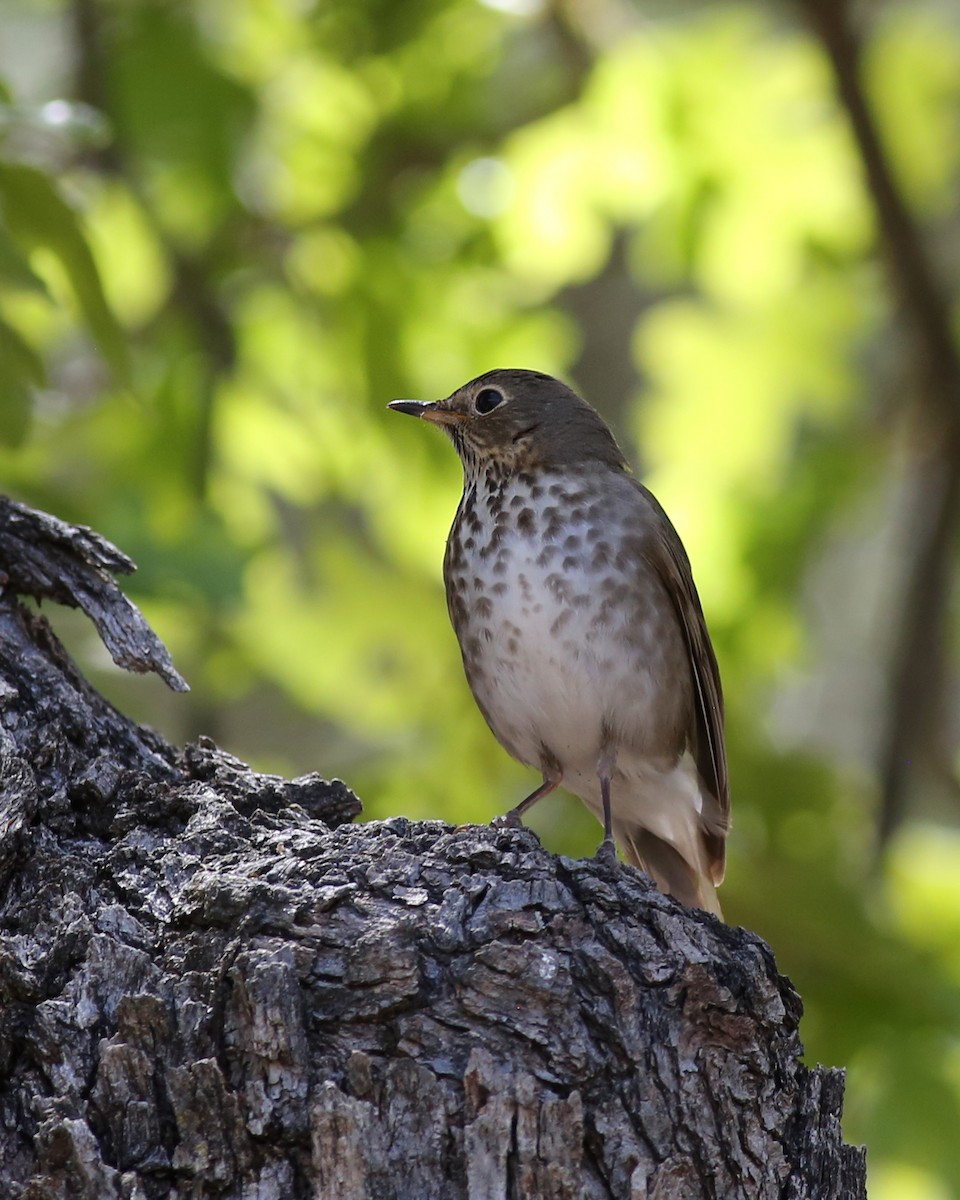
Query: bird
(580, 627)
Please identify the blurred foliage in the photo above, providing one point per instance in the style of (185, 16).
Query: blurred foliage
(230, 232)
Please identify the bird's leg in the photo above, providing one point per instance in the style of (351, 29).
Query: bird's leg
(511, 819)
(607, 850)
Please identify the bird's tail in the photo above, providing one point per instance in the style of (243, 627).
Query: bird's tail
(685, 881)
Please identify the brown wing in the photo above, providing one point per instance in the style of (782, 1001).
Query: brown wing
(668, 558)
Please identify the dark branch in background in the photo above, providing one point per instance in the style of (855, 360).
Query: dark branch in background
(192, 292)
(917, 685)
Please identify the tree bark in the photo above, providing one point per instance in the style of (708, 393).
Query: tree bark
(213, 985)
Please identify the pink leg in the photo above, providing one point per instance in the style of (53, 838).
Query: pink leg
(511, 820)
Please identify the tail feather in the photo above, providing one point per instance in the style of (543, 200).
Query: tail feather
(668, 824)
(670, 870)
(714, 827)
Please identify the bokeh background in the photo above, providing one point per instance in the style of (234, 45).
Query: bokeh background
(231, 230)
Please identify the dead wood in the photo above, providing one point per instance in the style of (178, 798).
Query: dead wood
(213, 985)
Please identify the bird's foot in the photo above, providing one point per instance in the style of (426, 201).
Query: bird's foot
(509, 820)
(607, 854)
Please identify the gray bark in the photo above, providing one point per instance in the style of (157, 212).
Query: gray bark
(213, 985)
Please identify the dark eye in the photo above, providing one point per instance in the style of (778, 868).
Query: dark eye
(487, 399)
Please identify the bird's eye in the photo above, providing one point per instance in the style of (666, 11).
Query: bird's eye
(486, 400)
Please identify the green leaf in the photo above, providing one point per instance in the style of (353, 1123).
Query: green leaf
(162, 78)
(15, 353)
(15, 270)
(20, 369)
(15, 405)
(37, 215)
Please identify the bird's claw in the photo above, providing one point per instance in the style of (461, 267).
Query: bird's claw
(508, 820)
(607, 854)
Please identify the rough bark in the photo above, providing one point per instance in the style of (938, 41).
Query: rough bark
(213, 985)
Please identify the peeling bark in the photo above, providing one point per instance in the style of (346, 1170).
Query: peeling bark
(213, 985)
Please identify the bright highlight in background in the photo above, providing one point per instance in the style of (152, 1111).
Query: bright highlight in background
(517, 8)
(485, 187)
(898, 1181)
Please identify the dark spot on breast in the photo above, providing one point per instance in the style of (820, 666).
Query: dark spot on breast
(513, 645)
(546, 555)
(483, 607)
(526, 522)
(557, 585)
(559, 623)
(571, 542)
(616, 591)
(457, 610)
(499, 589)
(571, 562)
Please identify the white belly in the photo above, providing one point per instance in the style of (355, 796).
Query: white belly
(551, 665)
(549, 672)
(576, 654)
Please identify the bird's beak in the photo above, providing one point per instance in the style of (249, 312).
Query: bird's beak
(428, 412)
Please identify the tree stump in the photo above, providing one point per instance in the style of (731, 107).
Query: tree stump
(213, 985)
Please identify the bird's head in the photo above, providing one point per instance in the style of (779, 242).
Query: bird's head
(516, 420)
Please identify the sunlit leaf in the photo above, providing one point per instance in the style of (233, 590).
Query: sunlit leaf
(38, 216)
(15, 269)
(20, 370)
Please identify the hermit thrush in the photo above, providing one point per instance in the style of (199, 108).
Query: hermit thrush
(580, 627)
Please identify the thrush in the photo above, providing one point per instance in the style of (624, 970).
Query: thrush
(581, 631)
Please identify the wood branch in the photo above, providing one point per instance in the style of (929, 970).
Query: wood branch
(917, 679)
(213, 985)
(44, 557)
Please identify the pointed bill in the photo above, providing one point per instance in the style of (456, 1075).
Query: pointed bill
(427, 412)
